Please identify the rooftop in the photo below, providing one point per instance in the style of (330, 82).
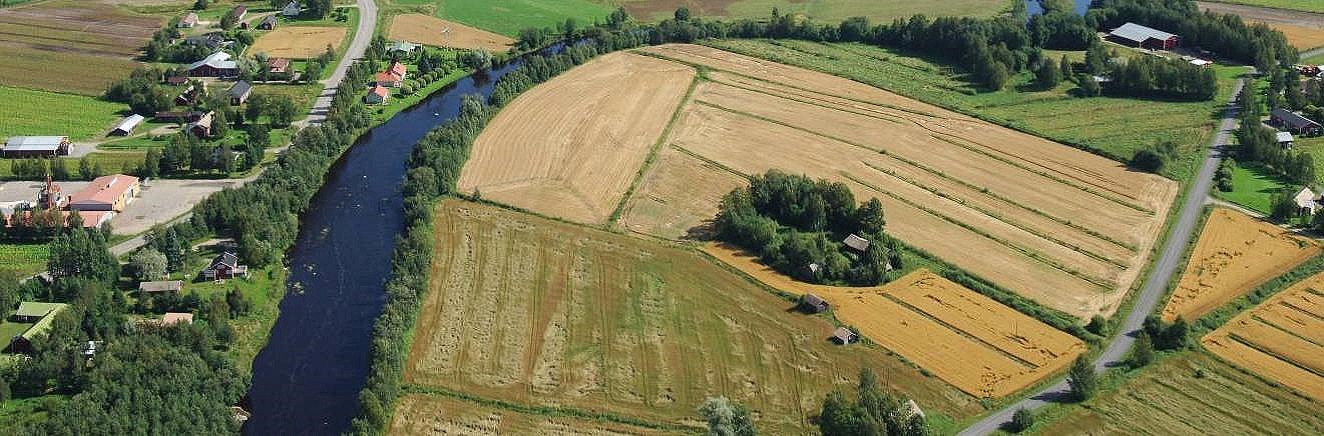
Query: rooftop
(219, 60)
(129, 123)
(1138, 33)
(104, 189)
(162, 286)
(35, 143)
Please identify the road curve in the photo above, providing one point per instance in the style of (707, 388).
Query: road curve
(357, 47)
(1155, 286)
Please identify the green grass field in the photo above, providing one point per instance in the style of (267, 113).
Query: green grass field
(22, 259)
(1192, 394)
(880, 11)
(1314, 146)
(1296, 5)
(507, 17)
(1253, 188)
(1113, 127)
(41, 113)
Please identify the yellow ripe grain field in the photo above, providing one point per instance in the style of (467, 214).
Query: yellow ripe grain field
(298, 42)
(430, 30)
(1235, 253)
(571, 147)
(970, 341)
(1282, 339)
(536, 312)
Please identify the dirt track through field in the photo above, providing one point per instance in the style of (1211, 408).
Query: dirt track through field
(1235, 253)
(1279, 339)
(429, 30)
(536, 312)
(572, 146)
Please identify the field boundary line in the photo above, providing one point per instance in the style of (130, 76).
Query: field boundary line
(1026, 251)
(657, 147)
(705, 159)
(1031, 253)
(1014, 223)
(1255, 316)
(1301, 310)
(548, 411)
(1030, 365)
(818, 102)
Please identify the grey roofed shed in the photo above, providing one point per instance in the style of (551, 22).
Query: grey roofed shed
(855, 242)
(1292, 119)
(240, 89)
(161, 286)
(1138, 34)
(127, 125)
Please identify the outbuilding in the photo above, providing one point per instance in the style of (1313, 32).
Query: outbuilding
(126, 126)
(1305, 201)
(1294, 122)
(812, 303)
(239, 92)
(36, 146)
(268, 23)
(225, 266)
(106, 193)
(1135, 35)
(377, 95)
(161, 287)
(202, 126)
(188, 21)
(855, 242)
(217, 64)
(291, 9)
(278, 66)
(844, 336)
(172, 318)
(1285, 140)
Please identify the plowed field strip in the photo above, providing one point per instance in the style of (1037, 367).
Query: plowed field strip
(1268, 366)
(1032, 254)
(973, 201)
(1280, 344)
(990, 322)
(1295, 320)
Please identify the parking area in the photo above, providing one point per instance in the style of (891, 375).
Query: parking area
(159, 201)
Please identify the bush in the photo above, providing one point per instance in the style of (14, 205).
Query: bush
(1021, 421)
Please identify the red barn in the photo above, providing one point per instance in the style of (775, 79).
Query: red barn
(1135, 35)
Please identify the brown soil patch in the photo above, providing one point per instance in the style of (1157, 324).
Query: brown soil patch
(298, 42)
(71, 46)
(1235, 253)
(538, 312)
(1280, 339)
(429, 30)
(971, 341)
(572, 146)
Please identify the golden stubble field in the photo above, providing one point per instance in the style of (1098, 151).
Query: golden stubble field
(1282, 339)
(536, 312)
(1235, 253)
(971, 341)
(418, 414)
(1063, 227)
(430, 30)
(571, 147)
(298, 42)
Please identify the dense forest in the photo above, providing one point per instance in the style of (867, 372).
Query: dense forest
(796, 225)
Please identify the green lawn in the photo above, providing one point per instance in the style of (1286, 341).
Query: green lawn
(509, 16)
(1297, 5)
(1314, 146)
(25, 112)
(1314, 60)
(14, 413)
(22, 259)
(1253, 188)
(1113, 127)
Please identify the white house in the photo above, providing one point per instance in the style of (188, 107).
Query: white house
(1305, 201)
(291, 9)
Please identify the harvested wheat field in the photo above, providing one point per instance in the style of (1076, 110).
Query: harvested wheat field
(536, 312)
(1235, 253)
(1301, 37)
(971, 341)
(682, 197)
(419, 414)
(429, 30)
(298, 42)
(571, 147)
(1058, 225)
(1281, 339)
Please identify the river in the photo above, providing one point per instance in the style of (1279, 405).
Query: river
(307, 378)
(1033, 8)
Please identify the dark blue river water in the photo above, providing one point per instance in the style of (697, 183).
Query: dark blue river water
(307, 379)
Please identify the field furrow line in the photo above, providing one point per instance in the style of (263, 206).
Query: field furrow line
(965, 334)
(653, 151)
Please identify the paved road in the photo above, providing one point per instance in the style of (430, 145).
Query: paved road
(1154, 287)
(362, 38)
(357, 47)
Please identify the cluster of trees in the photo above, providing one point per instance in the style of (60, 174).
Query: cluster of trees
(534, 38)
(1223, 175)
(1150, 76)
(57, 168)
(872, 412)
(434, 169)
(1253, 44)
(1154, 159)
(1259, 144)
(792, 221)
(37, 225)
(142, 91)
(727, 418)
(143, 379)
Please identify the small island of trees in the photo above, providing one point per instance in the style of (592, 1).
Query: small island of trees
(798, 227)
